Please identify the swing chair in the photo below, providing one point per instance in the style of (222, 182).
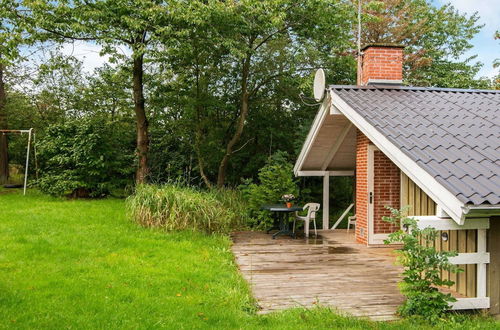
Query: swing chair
(28, 148)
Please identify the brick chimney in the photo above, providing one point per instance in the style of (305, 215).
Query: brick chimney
(381, 64)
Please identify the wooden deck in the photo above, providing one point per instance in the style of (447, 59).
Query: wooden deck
(332, 270)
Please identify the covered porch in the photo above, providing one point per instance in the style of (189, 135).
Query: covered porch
(332, 270)
(329, 151)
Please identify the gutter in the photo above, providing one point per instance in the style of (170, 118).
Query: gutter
(480, 210)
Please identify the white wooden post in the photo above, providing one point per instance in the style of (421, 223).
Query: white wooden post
(481, 268)
(326, 200)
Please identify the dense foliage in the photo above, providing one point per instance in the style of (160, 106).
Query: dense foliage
(422, 268)
(275, 180)
(174, 207)
(209, 89)
(84, 158)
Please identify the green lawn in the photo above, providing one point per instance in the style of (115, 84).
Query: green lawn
(83, 264)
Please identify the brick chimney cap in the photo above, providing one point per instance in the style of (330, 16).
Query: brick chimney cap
(382, 44)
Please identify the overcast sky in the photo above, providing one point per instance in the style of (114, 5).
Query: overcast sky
(485, 46)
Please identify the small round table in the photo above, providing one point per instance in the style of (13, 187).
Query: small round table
(283, 213)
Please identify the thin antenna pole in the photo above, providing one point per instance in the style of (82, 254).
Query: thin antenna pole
(359, 27)
(360, 66)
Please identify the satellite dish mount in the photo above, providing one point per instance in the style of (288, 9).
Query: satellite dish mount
(319, 85)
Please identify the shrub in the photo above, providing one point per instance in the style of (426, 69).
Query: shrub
(276, 179)
(422, 268)
(84, 158)
(174, 207)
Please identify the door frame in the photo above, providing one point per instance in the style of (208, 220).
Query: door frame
(373, 239)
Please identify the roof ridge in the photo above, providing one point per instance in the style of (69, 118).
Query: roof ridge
(416, 88)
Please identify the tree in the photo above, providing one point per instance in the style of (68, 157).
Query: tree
(10, 40)
(249, 50)
(435, 40)
(135, 25)
(87, 157)
(4, 156)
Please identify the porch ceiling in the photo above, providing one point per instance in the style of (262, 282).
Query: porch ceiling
(334, 147)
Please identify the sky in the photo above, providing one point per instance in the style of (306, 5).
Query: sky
(485, 46)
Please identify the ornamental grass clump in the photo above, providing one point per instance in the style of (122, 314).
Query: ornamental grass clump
(422, 268)
(174, 207)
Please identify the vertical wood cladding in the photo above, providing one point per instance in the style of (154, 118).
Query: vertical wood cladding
(461, 241)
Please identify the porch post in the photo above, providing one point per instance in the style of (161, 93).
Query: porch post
(494, 267)
(326, 200)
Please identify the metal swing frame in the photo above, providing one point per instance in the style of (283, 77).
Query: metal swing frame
(28, 148)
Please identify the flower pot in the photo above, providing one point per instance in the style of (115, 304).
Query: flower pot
(289, 204)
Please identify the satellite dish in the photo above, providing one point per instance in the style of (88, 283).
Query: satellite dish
(319, 85)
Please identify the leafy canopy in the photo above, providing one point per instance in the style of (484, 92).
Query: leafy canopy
(84, 158)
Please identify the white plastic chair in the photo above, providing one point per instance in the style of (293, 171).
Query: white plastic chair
(312, 208)
(351, 221)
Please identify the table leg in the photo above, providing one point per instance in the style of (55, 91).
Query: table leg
(284, 226)
(276, 218)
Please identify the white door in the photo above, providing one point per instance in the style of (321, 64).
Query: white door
(375, 239)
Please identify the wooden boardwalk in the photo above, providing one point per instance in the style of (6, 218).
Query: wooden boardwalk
(332, 270)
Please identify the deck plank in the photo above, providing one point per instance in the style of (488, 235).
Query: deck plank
(332, 271)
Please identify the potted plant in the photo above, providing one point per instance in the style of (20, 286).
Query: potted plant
(288, 198)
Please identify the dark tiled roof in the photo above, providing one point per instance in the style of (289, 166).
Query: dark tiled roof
(453, 134)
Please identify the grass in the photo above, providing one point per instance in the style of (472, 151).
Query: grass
(176, 207)
(83, 264)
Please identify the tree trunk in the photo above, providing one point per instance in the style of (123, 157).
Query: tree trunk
(141, 121)
(221, 177)
(198, 135)
(201, 163)
(4, 156)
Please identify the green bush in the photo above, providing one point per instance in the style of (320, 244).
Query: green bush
(85, 158)
(422, 268)
(275, 179)
(174, 207)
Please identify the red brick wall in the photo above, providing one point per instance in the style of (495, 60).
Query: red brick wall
(382, 63)
(386, 189)
(362, 143)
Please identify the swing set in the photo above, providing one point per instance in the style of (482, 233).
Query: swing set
(28, 148)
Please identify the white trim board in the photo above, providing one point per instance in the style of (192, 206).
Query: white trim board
(448, 224)
(313, 132)
(323, 173)
(448, 201)
(473, 258)
(470, 303)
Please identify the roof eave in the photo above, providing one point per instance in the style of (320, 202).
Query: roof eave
(317, 123)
